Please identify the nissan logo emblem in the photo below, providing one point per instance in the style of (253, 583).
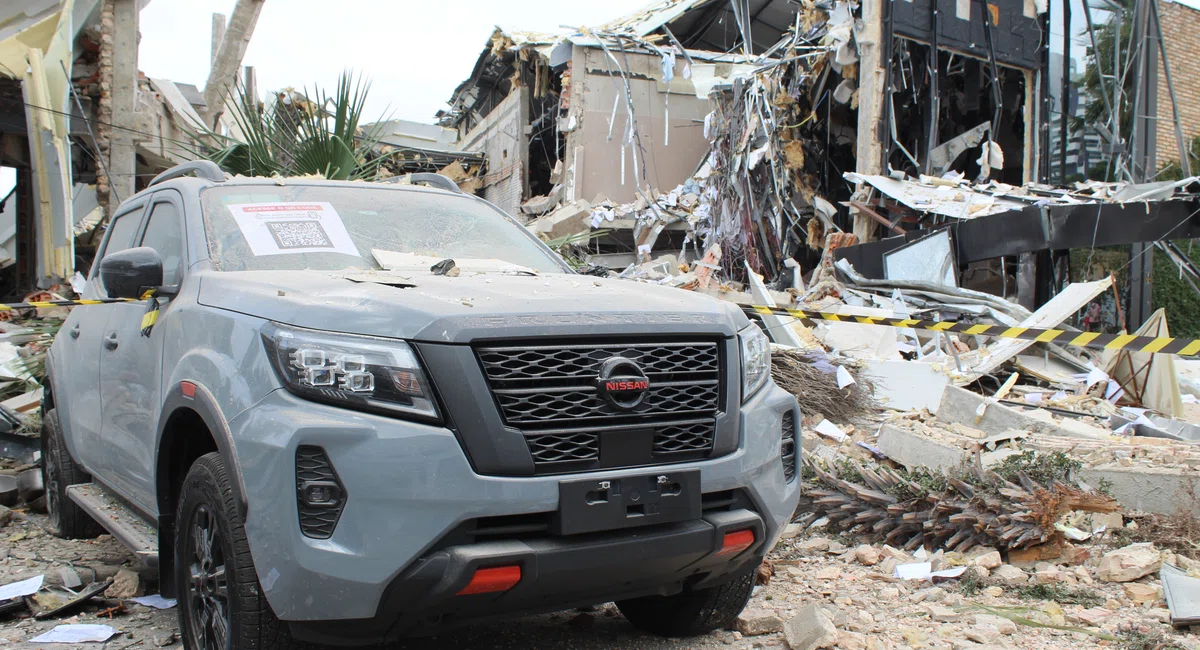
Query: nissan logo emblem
(622, 383)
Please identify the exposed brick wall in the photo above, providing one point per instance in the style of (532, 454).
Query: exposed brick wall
(104, 105)
(1181, 35)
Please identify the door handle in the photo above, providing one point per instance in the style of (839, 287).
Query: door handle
(110, 341)
(74, 331)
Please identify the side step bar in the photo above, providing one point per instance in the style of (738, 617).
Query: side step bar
(128, 528)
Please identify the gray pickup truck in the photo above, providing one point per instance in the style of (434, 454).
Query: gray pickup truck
(354, 411)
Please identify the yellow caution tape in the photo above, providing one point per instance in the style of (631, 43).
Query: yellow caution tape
(1095, 340)
(42, 304)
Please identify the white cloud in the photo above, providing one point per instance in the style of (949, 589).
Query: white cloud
(415, 53)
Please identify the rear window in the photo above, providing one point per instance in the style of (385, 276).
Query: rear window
(326, 227)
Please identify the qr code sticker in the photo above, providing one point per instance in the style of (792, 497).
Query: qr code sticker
(299, 234)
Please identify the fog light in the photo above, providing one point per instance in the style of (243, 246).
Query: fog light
(486, 581)
(736, 542)
(320, 493)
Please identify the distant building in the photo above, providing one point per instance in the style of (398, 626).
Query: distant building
(1181, 37)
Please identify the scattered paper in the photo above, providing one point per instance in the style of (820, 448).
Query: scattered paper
(22, 588)
(913, 571)
(78, 283)
(1072, 533)
(1034, 398)
(156, 601)
(279, 228)
(830, 430)
(844, 378)
(948, 573)
(76, 634)
(1188, 398)
(924, 571)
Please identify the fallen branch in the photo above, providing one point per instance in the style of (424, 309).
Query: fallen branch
(974, 507)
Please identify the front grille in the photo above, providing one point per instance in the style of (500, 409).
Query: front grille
(548, 392)
(787, 446)
(525, 406)
(313, 466)
(564, 447)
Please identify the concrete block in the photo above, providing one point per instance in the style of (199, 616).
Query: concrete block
(912, 449)
(1161, 490)
(962, 406)
(566, 220)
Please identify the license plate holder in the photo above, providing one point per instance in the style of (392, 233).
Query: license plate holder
(591, 505)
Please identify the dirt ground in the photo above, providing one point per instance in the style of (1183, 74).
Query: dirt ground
(870, 609)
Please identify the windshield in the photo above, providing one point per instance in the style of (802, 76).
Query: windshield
(329, 227)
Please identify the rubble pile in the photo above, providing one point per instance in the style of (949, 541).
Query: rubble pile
(828, 593)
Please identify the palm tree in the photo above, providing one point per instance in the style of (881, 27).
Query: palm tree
(299, 134)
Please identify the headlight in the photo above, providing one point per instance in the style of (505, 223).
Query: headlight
(756, 360)
(359, 372)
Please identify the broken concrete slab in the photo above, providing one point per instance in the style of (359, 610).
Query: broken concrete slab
(1161, 490)
(567, 220)
(911, 449)
(962, 406)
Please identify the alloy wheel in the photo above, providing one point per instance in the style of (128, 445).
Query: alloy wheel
(208, 584)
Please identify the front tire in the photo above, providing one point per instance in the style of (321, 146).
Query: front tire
(60, 471)
(221, 605)
(690, 613)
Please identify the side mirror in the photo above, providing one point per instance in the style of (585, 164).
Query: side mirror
(129, 273)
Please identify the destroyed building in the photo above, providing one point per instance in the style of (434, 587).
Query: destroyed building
(83, 128)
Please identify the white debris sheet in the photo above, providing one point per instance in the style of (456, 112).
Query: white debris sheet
(1182, 593)
(80, 633)
(156, 601)
(22, 588)
(947, 199)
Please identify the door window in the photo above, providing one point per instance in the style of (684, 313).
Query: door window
(164, 233)
(121, 231)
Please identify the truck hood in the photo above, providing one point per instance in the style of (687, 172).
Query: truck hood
(423, 306)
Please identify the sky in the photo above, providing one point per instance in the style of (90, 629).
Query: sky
(415, 53)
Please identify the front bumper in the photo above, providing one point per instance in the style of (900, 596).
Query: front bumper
(556, 573)
(410, 485)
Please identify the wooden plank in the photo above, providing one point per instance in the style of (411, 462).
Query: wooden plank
(24, 403)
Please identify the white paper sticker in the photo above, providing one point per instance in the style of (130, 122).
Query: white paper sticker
(76, 634)
(280, 228)
(22, 588)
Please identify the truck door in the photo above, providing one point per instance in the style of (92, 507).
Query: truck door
(131, 364)
(77, 362)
